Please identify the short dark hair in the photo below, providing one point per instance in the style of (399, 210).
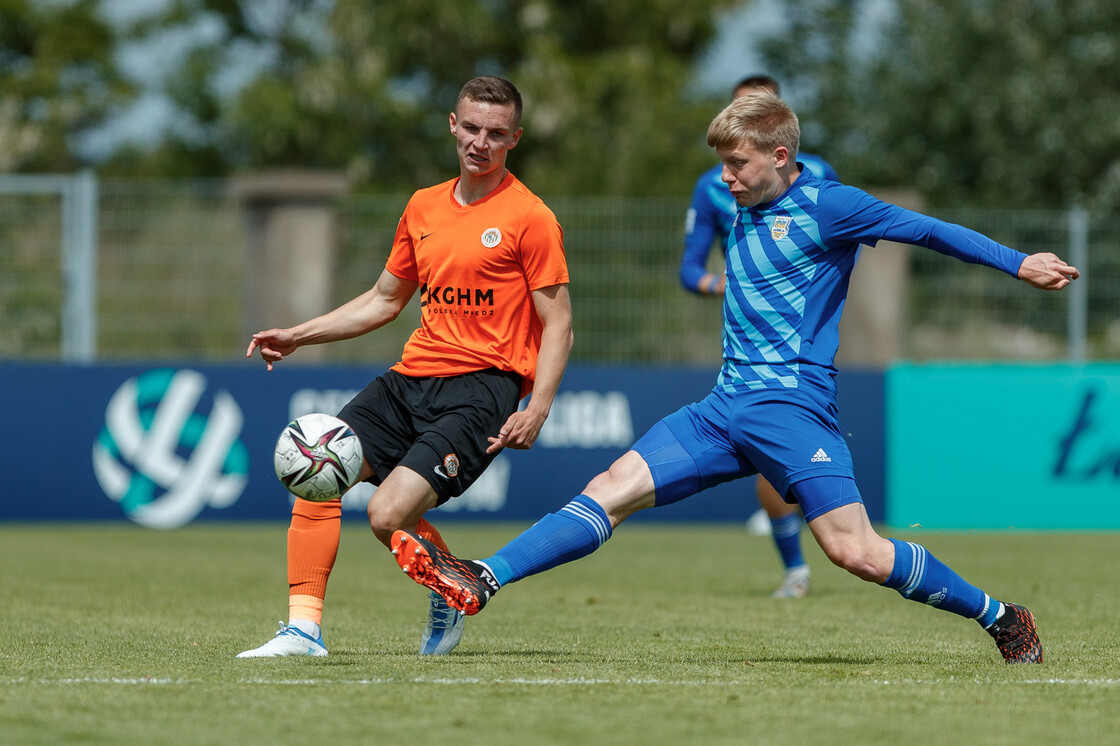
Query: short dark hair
(758, 80)
(490, 89)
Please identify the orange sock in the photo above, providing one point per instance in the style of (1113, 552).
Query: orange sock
(305, 607)
(313, 538)
(428, 531)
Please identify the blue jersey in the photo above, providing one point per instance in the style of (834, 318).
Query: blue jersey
(788, 266)
(711, 213)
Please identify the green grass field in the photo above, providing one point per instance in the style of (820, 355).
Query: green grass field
(119, 635)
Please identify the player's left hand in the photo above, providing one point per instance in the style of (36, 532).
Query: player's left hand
(1046, 271)
(519, 432)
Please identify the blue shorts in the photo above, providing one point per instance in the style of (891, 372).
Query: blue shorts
(787, 436)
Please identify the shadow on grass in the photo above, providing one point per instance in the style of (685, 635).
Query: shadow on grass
(820, 660)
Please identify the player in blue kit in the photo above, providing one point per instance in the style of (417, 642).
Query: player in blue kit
(708, 222)
(713, 209)
(773, 408)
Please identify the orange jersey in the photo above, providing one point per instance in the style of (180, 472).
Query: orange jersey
(476, 265)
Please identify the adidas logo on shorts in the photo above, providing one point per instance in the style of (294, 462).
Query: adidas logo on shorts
(820, 455)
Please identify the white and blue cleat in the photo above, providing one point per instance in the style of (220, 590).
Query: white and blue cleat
(444, 629)
(289, 641)
(795, 584)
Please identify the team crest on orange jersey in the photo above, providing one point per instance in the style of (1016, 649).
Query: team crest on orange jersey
(780, 228)
(491, 237)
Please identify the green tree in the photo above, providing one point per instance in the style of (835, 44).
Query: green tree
(57, 78)
(1000, 103)
(272, 42)
(366, 87)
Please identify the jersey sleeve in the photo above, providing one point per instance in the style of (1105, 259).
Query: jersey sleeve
(402, 258)
(701, 228)
(542, 249)
(852, 215)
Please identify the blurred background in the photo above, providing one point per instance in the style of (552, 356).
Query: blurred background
(998, 114)
(177, 174)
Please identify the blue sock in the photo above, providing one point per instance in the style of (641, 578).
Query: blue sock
(919, 576)
(574, 531)
(787, 537)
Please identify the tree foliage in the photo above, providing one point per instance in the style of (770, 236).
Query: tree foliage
(57, 77)
(368, 89)
(1008, 103)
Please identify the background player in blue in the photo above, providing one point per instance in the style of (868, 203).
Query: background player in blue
(707, 224)
(773, 409)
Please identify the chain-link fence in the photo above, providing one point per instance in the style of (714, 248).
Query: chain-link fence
(173, 265)
(31, 297)
(956, 311)
(171, 272)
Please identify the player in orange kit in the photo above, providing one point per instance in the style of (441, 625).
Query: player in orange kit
(487, 256)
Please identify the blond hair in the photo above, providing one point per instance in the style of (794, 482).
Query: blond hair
(759, 119)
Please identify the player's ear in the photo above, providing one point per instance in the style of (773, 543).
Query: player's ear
(451, 121)
(515, 138)
(781, 156)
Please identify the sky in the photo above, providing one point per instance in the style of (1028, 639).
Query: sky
(733, 55)
(146, 64)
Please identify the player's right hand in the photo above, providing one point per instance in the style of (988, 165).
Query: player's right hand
(273, 344)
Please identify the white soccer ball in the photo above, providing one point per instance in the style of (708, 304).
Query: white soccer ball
(318, 457)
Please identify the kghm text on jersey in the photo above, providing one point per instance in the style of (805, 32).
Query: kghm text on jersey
(449, 296)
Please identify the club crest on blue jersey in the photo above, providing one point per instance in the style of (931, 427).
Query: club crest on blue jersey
(780, 228)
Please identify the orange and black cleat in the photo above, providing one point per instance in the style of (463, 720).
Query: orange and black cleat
(1016, 636)
(466, 585)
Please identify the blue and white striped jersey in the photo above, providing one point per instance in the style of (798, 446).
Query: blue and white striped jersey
(788, 266)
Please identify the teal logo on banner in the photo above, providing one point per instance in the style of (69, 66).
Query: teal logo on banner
(993, 447)
(169, 449)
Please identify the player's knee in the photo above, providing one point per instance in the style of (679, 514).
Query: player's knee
(857, 557)
(382, 521)
(623, 489)
(603, 483)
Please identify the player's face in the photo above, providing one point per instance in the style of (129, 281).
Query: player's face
(752, 175)
(484, 134)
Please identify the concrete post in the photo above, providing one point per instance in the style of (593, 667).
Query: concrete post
(872, 329)
(292, 229)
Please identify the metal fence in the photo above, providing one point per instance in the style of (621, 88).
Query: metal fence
(172, 267)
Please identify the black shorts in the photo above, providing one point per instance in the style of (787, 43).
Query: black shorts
(437, 427)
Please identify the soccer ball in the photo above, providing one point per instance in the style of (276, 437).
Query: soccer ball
(317, 457)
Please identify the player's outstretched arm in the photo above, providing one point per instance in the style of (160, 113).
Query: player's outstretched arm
(371, 310)
(1047, 272)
